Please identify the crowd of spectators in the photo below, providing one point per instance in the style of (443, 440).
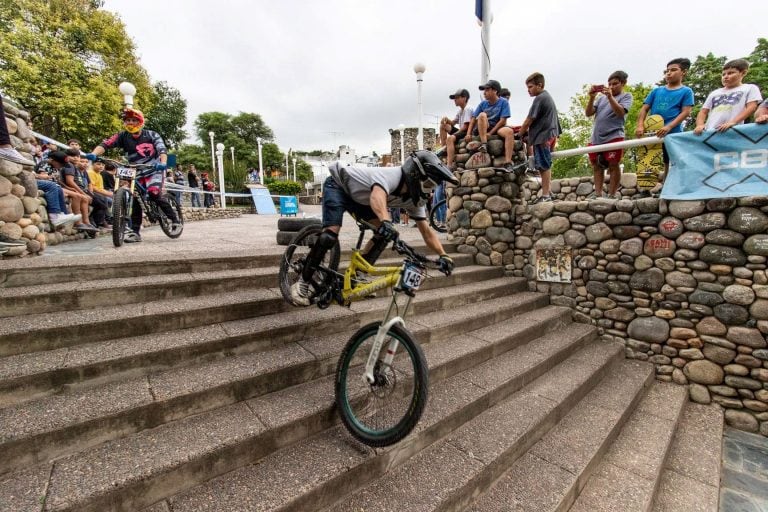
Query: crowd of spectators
(733, 104)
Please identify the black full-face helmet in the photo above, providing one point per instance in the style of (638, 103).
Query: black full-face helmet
(424, 171)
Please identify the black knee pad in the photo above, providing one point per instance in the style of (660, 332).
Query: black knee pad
(324, 243)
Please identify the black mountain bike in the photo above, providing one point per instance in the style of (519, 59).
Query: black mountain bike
(122, 203)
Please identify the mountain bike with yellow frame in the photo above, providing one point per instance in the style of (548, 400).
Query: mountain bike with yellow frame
(382, 378)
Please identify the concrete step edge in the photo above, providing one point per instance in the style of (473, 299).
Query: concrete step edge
(236, 336)
(131, 491)
(632, 460)
(163, 408)
(459, 465)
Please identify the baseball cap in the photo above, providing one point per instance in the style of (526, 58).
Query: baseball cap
(460, 93)
(58, 156)
(491, 84)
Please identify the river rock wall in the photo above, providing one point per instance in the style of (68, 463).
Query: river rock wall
(683, 284)
(22, 213)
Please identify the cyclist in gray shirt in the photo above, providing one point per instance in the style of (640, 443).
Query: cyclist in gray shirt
(368, 193)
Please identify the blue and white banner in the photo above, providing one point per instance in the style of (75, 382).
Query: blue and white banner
(714, 164)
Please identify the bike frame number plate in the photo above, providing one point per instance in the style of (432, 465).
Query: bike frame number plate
(125, 172)
(412, 276)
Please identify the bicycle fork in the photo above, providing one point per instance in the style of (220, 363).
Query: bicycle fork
(378, 341)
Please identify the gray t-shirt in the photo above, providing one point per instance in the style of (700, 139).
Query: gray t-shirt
(358, 182)
(608, 125)
(544, 114)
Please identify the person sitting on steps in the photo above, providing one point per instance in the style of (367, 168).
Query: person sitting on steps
(141, 146)
(368, 194)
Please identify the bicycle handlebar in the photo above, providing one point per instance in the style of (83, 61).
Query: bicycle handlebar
(122, 164)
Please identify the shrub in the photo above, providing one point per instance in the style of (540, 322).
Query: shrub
(284, 188)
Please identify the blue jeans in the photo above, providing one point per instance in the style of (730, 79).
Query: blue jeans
(436, 198)
(196, 199)
(54, 196)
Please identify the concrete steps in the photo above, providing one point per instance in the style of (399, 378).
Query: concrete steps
(238, 434)
(209, 393)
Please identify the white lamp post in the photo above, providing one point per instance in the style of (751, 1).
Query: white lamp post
(401, 129)
(232, 150)
(213, 159)
(220, 153)
(261, 167)
(128, 90)
(419, 69)
(286, 165)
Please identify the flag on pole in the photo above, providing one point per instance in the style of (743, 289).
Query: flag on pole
(479, 11)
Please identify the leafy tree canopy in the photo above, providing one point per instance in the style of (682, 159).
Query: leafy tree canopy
(63, 60)
(168, 114)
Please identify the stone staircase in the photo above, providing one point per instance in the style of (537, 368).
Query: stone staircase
(195, 388)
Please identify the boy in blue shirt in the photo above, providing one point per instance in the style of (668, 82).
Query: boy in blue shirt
(490, 117)
(673, 103)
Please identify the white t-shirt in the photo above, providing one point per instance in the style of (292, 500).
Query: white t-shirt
(725, 104)
(463, 116)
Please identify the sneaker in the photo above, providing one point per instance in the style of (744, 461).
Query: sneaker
(441, 151)
(594, 195)
(60, 219)
(301, 293)
(543, 199)
(12, 155)
(132, 237)
(82, 226)
(518, 169)
(483, 148)
(616, 196)
(6, 241)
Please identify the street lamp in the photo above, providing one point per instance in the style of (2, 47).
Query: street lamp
(232, 150)
(261, 168)
(128, 90)
(220, 153)
(419, 69)
(294, 169)
(401, 129)
(213, 160)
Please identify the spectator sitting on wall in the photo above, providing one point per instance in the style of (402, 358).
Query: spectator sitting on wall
(108, 176)
(79, 200)
(455, 129)
(490, 117)
(98, 202)
(54, 197)
(99, 191)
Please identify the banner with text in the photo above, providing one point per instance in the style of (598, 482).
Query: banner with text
(733, 163)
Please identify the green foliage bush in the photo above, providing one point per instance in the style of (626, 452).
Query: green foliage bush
(284, 188)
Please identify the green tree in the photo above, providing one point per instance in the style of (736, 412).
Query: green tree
(168, 114)
(703, 78)
(758, 71)
(62, 60)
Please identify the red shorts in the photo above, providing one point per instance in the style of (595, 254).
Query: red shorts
(612, 157)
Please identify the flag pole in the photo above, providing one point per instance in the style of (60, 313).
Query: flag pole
(485, 38)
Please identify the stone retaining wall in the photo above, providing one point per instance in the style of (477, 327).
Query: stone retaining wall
(22, 214)
(683, 284)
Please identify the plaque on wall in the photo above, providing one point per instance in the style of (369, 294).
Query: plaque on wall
(554, 264)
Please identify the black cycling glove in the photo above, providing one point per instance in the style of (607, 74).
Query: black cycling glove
(446, 264)
(387, 231)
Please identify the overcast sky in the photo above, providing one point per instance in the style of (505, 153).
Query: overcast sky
(314, 67)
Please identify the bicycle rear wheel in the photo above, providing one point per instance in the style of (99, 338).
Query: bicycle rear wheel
(295, 256)
(383, 413)
(440, 227)
(119, 215)
(165, 223)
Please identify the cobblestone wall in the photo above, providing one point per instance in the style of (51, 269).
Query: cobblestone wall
(22, 214)
(683, 284)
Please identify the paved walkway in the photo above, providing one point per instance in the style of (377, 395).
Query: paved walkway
(254, 234)
(744, 484)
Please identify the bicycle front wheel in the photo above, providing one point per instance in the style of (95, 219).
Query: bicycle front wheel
(165, 223)
(295, 257)
(119, 215)
(440, 227)
(382, 413)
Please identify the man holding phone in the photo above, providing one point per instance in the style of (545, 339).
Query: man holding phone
(609, 110)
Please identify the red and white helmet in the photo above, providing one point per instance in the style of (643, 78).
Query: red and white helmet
(134, 114)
